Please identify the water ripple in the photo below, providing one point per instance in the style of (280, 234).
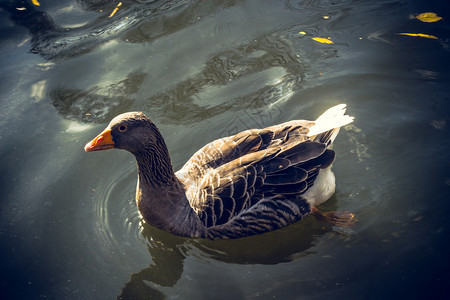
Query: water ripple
(118, 221)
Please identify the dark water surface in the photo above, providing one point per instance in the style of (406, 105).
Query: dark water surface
(69, 228)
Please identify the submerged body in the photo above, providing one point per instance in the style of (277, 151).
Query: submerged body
(256, 181)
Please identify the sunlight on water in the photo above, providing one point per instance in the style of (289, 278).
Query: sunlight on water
(75, 127)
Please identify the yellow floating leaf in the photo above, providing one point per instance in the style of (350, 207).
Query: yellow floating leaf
(35, 2)
(322, 40)
(115, 10)
(302, 32)
(428, 17)
(420, 35)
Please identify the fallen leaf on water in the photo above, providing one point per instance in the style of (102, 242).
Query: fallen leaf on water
(419, 35)
(323, 40)
(115, 10)
(35, 2)
(428, 17)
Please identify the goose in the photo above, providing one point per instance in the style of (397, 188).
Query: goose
(256, 181)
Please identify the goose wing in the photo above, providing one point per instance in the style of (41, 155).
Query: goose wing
(230, 179)
(222, 151)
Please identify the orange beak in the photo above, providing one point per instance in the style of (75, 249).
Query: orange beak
(102, 141)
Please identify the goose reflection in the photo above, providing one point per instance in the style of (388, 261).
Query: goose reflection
(168, 253)
(133, 21)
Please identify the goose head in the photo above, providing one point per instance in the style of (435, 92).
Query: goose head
(131, 131)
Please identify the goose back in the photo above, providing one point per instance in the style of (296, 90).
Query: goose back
(241, 180)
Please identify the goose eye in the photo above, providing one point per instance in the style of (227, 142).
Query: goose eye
(122, 128)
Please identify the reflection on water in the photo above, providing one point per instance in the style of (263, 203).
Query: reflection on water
(247, 77)
(152, 19)
(99, 104)
(168, 253)
(203, 69)
(166, 269)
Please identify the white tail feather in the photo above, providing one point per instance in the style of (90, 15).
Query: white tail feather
(331, 119)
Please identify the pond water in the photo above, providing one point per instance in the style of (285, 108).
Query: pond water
(69, 227)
